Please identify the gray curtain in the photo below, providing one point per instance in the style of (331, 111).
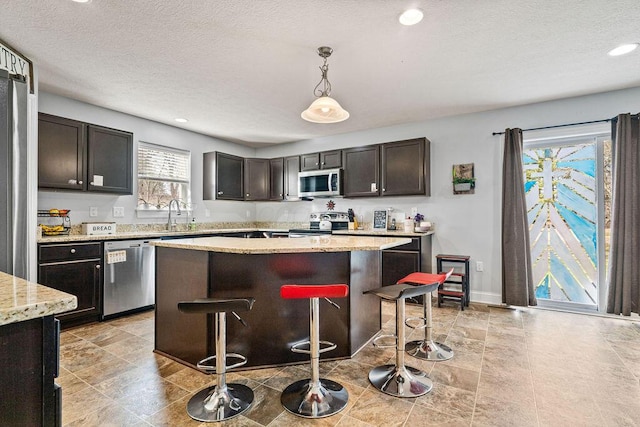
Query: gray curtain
(517, 282)
(623, 274)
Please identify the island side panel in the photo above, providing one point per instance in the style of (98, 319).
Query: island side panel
(366, 273)
(274, 324)
(181, 275)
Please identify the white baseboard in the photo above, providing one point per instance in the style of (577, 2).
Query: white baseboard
(485, 297)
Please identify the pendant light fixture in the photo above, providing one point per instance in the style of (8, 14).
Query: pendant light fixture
(324, 109)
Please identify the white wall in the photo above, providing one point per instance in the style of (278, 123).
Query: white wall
(147, 131)
(465, 224)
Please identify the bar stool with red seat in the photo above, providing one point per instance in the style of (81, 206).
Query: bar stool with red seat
(399, 380)
(314, 397)
(426, 348)
(223, 400)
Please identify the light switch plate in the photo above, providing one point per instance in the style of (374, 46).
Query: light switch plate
(93, 211)
(118, 212)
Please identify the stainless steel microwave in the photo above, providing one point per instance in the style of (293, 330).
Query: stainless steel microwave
(320, 183)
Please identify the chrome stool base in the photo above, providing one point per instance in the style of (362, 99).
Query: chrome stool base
(210, 405)
(403, 381)
(428, 350)
(306, 399)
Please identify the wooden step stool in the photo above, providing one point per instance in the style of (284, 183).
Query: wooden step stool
(457, 286)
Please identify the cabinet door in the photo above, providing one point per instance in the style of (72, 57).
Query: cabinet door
(109, 160)
(398, 264)
(276, 168)
(310, 162)
(79, 278)
(405, 168)
(291, 169)
(331, 159)
(361, 171)
(229, 172)
(256, 179)
(61, 148)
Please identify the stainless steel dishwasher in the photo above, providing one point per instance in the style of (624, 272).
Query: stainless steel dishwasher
(129, 277)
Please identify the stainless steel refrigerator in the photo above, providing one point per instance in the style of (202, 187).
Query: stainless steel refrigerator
(13, 175)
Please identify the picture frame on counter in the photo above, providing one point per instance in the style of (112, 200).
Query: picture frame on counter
(380, 220)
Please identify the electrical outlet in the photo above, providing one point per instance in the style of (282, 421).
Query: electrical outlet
(93, 211)
(414, 211)
(118, 212)
(479, 266)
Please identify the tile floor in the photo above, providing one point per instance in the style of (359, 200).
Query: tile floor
(522, 367)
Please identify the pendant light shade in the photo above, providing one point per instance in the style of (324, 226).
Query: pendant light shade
(324, 109)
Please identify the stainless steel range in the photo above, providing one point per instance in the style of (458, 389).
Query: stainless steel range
(339, 220)
(317, 222)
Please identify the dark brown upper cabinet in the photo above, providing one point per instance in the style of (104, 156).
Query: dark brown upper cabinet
(400, 168)
(276, 186)
(223, 176)
(256, 179)
(73, 155)
(323, 160)
(405, 168)
(361, 171)
(109, 160)
(291, 169)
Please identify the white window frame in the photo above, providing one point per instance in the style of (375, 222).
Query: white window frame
(163, 212)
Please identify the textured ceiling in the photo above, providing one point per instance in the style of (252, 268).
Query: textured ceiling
(243, 70)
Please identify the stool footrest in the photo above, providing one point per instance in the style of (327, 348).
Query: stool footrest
(296, 348)
(423, 322)
(204, 364)
(376, 341)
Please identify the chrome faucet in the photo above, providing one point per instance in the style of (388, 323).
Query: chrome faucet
(171, 225)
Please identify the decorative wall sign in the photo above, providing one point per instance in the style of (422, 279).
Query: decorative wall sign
(464, 181)
(380, 220)
(16, 63)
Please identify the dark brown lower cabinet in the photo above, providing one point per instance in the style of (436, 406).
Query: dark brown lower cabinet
(75, 268)
(402, 260)
(28, 366)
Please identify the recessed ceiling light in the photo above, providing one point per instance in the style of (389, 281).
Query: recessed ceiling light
(411, 17)
(82, 1)
(623, 49)
(181, 120)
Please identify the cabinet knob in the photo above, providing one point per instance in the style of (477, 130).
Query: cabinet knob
(73, 251)
(97, 267)
(79, 182)
(322, 163)
(247, 194)
(220, 192)
(384, 189)
(91, 183)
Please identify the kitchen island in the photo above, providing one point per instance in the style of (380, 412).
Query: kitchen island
(188, 269)
(29, 351)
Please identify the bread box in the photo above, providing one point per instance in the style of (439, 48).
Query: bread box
(98, 228)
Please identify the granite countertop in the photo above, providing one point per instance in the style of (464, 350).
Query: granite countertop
(382, 232)
(22, 300)
(323, 243)
(158, 234)
(142, 235)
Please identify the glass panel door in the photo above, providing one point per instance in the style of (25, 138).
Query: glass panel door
(563, 188)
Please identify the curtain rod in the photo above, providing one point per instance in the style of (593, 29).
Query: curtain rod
(560, 126)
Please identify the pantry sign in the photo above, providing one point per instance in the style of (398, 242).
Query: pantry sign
(16, 63)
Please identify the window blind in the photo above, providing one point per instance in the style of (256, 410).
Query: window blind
(163, 163)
